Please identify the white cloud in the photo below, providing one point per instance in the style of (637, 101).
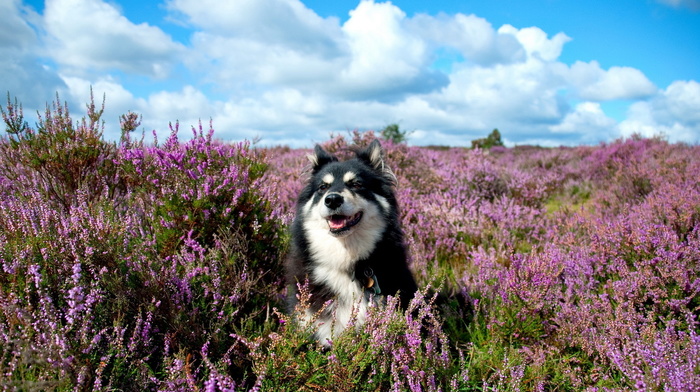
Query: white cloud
(511, 77)
(237, 65)
(520, 92)
(253, 44)
(276, 69)
(588, 122)
(385, 57)
(280, 23)
(187, 105)
(21, 73)
(471, 36)
(536, 43)
(15, 32)
(373, 55)
(119, 98)
(674, 113)
(376, 68)
(381, 50)
(681, 100)
(594, 83)
(92, 34)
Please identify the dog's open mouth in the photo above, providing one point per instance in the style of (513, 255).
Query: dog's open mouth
(341, 223)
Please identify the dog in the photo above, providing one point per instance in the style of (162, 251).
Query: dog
(346, 242)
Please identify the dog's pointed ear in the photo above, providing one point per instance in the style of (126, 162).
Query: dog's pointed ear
(373, 155)
(320, 158)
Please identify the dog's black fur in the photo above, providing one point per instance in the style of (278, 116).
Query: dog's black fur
(372, 186)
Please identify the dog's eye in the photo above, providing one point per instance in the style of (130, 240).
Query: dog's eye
(354, 185)
(323, 187)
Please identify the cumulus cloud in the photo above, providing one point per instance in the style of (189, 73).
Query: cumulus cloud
(92, 34)
(376, 68)
(21, 71)
(15, 32)
(673, 113)
(472, 37)
(681, 100)
(594, 83)
(536, 42)
(385, 56)
(588, 122)
(380, 54)
(276, 69)
(521, 92)
(372, 55)
(278, 23)
(266, 41)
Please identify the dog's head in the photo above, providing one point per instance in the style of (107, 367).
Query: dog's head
(352, 194)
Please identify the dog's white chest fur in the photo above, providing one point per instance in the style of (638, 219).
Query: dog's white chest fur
(334, 259)
(339, 315)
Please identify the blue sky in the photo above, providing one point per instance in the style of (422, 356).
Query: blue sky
(546, 72)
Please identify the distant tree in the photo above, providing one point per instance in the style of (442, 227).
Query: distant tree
(493, 139)
(392, 132)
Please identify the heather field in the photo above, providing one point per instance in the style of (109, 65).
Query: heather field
(149, 264)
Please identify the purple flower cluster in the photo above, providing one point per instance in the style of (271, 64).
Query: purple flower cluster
(588, 253)
(156, 266)
(128, 265)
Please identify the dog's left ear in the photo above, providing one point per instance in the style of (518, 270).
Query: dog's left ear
(373, 155)
(320, 158)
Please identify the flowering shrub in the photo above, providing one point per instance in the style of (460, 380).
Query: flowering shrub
(145, 265)
(59, 158)
(393, 351)
(135, 288)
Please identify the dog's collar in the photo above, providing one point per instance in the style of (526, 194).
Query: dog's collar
(371, 283)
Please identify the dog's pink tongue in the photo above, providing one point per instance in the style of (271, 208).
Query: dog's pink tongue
(337, 221)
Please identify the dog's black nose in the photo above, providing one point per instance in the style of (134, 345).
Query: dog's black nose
(333, 201)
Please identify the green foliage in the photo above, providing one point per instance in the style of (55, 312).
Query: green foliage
(121, 262)
(64, 157)
(13, 116)
(395, 350)
(391, 132)
(492, 140)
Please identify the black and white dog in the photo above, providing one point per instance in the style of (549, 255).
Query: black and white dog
(347, 240)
